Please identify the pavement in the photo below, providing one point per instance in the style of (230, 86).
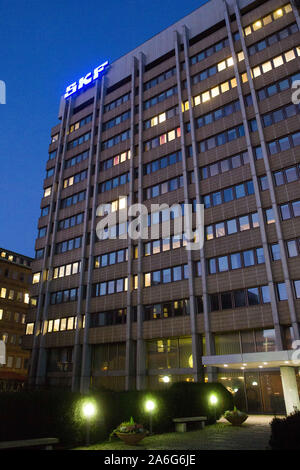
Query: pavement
(254, 434)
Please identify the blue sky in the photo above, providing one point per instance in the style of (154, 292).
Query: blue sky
(44, 46)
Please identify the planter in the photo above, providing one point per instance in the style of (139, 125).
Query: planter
(235, 417)
(236, 420)
(131, 439)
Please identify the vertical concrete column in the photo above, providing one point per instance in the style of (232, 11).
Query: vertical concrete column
(197, 364)
(43, 283)
(278, 228)
(262, 225)
(296, 13)
(130, 366)
(81, 363)
(290, 389)
(141, 373)
(42, 359)
(209, 341)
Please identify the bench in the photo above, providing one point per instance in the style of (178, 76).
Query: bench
(43, 443)
(181, 423)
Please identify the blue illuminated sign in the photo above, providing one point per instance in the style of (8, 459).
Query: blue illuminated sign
(84, 81)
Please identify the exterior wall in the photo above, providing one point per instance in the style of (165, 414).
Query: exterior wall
(197, 32)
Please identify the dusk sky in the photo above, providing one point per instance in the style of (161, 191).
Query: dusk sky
(44, 46)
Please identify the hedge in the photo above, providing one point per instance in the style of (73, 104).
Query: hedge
(57, 413)
(285, 432)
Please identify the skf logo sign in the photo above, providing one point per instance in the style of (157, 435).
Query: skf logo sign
(84, 81)
(2, 92)
(2, 352)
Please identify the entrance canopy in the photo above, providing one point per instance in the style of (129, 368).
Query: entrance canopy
(260, 360)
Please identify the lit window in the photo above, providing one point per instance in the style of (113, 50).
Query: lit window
(244, 78)
(256, 72)
(221, 66)
(154, 121)
(63, 324)
(197, 100)
(70, 323)
(267, 20)
(50, 326)
(36, 278)
(162, 117)
(230, 62)
(266, 67)
(26, 298)
(278, 13)
(123, 157)
(1, 313)
(3, 292)
(122, 202)
(205, 96)
(224, 87)
(29, 328)
(288, 8)
(171, 135)
(241, 56)
(257, 25)
(147, 279)
(56, 325)
(215, 91)
(247, 30)
(289, 55)
(278, 61)
(47, 192)
(233, 83)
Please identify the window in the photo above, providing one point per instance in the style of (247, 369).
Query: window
(275, 251)
(281, 291)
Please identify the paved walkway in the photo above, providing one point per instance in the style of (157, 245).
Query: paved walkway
(254, 434)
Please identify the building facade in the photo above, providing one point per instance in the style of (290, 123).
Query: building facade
(202, 113)
(15, 284)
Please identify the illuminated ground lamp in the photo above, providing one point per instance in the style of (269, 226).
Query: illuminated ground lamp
(88, 411)
(150, 407)
(213, 400)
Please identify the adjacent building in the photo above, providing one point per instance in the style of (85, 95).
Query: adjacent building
(202, 113)
(15, 284)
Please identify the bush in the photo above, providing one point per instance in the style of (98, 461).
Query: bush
(57, 413)
(285, 432)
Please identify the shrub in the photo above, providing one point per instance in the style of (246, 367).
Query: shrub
(285, 432)
(57, 413)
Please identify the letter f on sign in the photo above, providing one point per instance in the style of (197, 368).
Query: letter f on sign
(2, 92)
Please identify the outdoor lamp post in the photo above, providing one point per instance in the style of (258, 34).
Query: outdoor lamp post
(88, 411)
(213, 401)
(150, 406)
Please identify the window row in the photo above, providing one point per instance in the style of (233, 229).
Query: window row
(212, 93)
(68, 295)
(160, 98)
(68, 245)
(77, 159)
(109, 259)
(11, 294)
(67, 270)
(275, 62)
(228, 194)
(12, 316)
(70, 221)
(290, 210)
(112, 317)
(273, 16)
(163, 188)
(209, 51)
(14, 362)
(240, 298)
(110, 287)
(114, 182)
(162, 139)
(116, 103)
(77, 125)
(209, 72)
(75, 179)
(164, 276)
(280, 114)
(229, 227)
(243, 259)
(71, 200)
(116, 140)
(59, 324)
(162, 162)
(160, 78)
(219, 113)
(222, 138)
(115, 121)
(155, 120)
(80, 140)
(270, 40)
(164, 244)
(280, 145)
(285, 176)
(114, 161)
(225, 165)
(277, 87)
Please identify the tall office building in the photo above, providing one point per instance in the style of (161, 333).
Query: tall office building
(15, 284)
(202, 113)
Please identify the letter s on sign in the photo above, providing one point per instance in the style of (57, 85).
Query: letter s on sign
(70, 90)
